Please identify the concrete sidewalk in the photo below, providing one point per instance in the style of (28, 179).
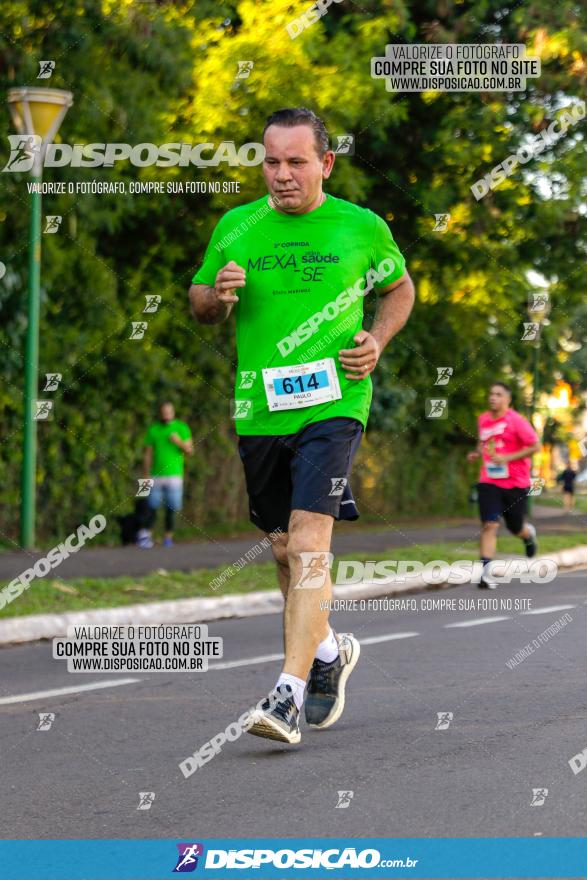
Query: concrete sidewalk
(348, 538)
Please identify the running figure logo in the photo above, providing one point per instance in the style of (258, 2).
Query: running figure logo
(187, 859)
(52, 223)
(315, 565)
(52, 381)
(42, 410)
(344, 799)
(138, 329)
(344, 642)
(247, 378)
(152, 302)
(537, 302)
(46, 719)
(444, 719)
(46, 68)
(442, 221)
(436, 408)
(539, 795)
(144, 489)
(242, 409)
(444, 374)
(244, 69)
(537, 486)
(531, 331)
(338, 484)
(344, 144)
(146, 799)
(22, 152)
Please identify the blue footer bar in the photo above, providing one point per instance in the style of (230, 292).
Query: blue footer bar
(224, 859)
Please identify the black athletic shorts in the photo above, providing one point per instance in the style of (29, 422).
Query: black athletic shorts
(509, 503)
(305, 471)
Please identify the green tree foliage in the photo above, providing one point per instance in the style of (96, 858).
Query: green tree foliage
(166, 71)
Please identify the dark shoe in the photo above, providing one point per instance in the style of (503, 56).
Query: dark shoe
(487, 584)
(277, 717)
(325, 692)
(144, 540)
(531, 543)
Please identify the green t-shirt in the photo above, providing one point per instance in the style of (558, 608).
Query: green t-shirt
(297, 268)
(168, 459)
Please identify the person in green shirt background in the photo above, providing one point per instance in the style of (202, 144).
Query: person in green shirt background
(166, 443)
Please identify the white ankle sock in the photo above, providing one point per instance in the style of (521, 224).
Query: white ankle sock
(327, 651)
(297, 685)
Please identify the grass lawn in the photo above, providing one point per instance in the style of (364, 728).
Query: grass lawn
(51, 595)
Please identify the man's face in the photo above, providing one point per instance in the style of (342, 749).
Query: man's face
(292, 168)
(499, 398)
(167, 413)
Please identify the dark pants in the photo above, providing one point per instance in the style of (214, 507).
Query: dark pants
(511, 504)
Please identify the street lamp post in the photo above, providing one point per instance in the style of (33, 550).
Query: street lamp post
(538, 310)
(37, 114)
(536, 380)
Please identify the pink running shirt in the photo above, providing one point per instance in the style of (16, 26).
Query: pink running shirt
(509, 433)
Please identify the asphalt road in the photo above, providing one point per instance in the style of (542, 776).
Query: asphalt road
(512, 731)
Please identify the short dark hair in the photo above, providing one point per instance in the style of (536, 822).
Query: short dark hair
(289, 117)
(502, 385)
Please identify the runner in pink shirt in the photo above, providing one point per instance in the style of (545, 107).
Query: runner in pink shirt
(506, 443)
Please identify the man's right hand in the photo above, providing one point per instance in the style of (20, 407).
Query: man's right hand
(473, 456)
(227, 280)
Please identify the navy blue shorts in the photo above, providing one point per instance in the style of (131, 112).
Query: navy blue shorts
(305, 471)
(511, 504)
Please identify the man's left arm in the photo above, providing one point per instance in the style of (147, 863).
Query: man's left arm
(394, 305)
(185, 443)
(188, 446)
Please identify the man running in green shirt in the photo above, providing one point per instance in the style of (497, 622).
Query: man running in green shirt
(166, 443)
(295, 268)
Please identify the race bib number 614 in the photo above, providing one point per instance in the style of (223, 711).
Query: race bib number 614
(301, 385)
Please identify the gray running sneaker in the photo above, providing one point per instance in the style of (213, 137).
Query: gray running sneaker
(325, 691)
(277, 717)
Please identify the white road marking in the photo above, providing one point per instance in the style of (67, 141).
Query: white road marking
(548, 610)
(477, 622)
(59, 692)
(267, 658)
(250, 661)
(374, 640)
